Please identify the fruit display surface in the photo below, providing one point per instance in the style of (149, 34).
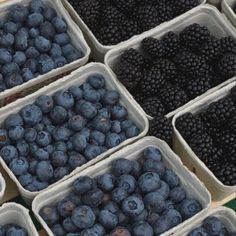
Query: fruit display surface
(115, 21)
(34, 40)
(211, 135)
(51, 137)
(134, 197)
(12, 230)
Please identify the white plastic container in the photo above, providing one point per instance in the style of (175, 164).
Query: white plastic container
(189, 181)
(218, 190)
(76, 78)
(215, 3)
(227, 8)
(99, 50)
(225, 215)
(204, 15)
(2, 186)
(17, 214)
(77, 40)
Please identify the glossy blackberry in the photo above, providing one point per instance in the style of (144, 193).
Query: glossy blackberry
(228, 45)
(111, 15)
(226, 173)
(165, 11)
(153, 47)
(211, 50)
(227, 66)
(173, 97)
(181, 80)
(152, 81)
(162, 129)
(129, 75)
(226, 140)
(133, 57)
(171, 44)
(198, 86)
(167, 68)
(153, 107)
(129, 28)
(188, 125)
(124, 5)
(182, 6)
(194, 36)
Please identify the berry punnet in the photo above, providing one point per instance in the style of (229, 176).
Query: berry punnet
(12, 229)
(56, 134)
(33, 41)
(115, 21)
(212, 136)
(139, 198)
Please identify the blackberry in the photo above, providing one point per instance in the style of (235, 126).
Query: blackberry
(198, 86)
(153, 107)
(228, 45)
(133, 57)
(194, 36)
(226, 173)
(129, 75)
(162, 129)
(188, 125)
(124, 5)
(232, 125)
(180, 80)
(111, 15)
(147, 17)
(165, 12)
(233, 94)
(231, 154)
(152, 81)
(182, 6)
(170, 42)
(153, 47)
(211, 50)
(227, 66)
(129, 28)
(173, 97)
(226, 140)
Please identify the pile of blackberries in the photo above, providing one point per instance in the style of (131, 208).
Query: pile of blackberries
(212, 136)
(113, 21)
(33, 41)
(56, 134)
(138, 198)
(12, 230)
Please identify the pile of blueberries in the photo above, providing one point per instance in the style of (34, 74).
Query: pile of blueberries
(33, 41)
(211, 226)
(48, 139)
(138, 198)
(12, 230)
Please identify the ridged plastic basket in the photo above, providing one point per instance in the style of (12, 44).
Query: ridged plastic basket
(2, 186)
(218, 190)
(227, 9)
(76, 78)
(189, 181)
(77, 40)
(204, 15)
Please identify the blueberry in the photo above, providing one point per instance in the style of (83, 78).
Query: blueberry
(93, 198)
(13, 80)
(96, 81)
(123, 219)
(76, 91)
(45, 103)
(46, 120)
(172, 216)
(61, 134)
(119, 112)
(58, 115)
(45, 65)
(10, 27)
(77, 122)
(83, 217)
(44, 171)
(106, 182)
(34, 20)
(86, 109)
(60, 62)
(49, 13)
(65, 207)
(107, 219)
(97, 230)
(58, 230)
(49, 149)
(34, 32)
(49, 214)
(43, 138)
(119, 194)
(32, 166)
(19, 13)
(116, 127)
(142, 228)
(132, 131)
(59, 159)
(127, 182)
(15, 230)
(120, 231)
(60, 146)
(141, 217)
(177, 194)
(32, 52)
(11, 67)
(151, 165)
(200, 231)
(42, 44)
(68, 225)
(152, 153)
(62, 39)
(137, 169)
(68, 49)
(27, 74)
(37, 6)
(102, 123)
(19, 166)
(6, 40)
(91, 95)
(171, 178)
(97, 138)
(92, 151)
(59, 24)
(79, 142)
(22, 147)
(169, 205)
(113, 140)
(19, 58)
(31, 114)
(2, 86)
(76, 160)
(86, 133)
(212, 225)
(21, 41)
(41, 154)
(112, 207)
(39, 127)
(161, 226)
(189, 208)
(25, 179)
(31, 64)
(4, 139)
(164, 190)
(122, 166)
(132, 206)
(47, 30)
(61, 172)
(5, 56)
(149, 182)
(83, 185)
(111, 97)
(154, 202)
(8, 153)
(152, 218)
(16, 133)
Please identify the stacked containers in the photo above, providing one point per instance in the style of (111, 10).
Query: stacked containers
(229, 8)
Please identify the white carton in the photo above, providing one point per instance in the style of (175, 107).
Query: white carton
(225, 215)
(227, 8)
(204, 15)
(17, 214)
(2, 186)
(189, 181)
(218, 190)
(77, 77)
(77, 40)
(99, 50)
